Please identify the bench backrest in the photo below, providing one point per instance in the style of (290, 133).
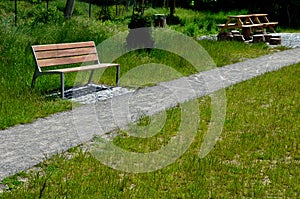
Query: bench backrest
(66, 53)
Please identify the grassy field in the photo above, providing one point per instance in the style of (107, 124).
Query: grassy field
(257, 155)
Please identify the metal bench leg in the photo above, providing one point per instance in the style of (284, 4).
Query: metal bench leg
(33, 82)
(34, 79)
(118, 75)
(91, 77)
(62, 81)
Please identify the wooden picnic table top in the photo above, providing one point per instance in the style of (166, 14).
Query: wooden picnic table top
(259, 15)
(239, 16)
(248, 15)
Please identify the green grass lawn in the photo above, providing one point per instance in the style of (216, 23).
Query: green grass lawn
(257, 155)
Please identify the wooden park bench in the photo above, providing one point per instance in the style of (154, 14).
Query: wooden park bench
(54, 55)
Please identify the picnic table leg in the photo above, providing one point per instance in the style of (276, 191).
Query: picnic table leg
(272, 29)
(246, 33)
(62, 80)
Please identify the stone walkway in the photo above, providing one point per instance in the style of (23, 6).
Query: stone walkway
(24, 146)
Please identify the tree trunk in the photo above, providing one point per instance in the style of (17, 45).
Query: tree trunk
(16, 12)
(69, 8)
(172, 7)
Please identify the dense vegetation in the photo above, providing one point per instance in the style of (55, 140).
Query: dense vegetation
(284, 11)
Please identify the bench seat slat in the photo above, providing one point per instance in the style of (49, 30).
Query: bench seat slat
(64, 53)
(63, 46)
(84, 68)
(67, 60)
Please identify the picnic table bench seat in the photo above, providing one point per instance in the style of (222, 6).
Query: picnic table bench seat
(270, 23)
(252, 25)
(223, 25)
(84, 53)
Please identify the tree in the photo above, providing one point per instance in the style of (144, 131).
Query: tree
(69, 8)
(172, 8)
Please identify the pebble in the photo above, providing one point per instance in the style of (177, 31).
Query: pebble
(93, 93)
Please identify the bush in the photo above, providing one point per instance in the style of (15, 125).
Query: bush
(105, 15)
(173, 20)
(139, 21)
(41, 15)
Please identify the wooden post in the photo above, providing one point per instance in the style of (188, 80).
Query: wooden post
(90, 9)
(69, 8)
(47, 2)
(246, 31)
(16, 12)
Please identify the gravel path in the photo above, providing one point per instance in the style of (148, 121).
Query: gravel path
(24, 146)
(290, 40)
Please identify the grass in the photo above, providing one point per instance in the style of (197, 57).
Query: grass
(257, 155)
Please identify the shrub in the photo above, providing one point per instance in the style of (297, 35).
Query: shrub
(139, 21)
(173, 20)
(41, 15)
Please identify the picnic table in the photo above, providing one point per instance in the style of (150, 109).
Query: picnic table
(247, 23)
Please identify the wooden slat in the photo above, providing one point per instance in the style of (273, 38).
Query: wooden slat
(222, 25)
(63, 46)
(239, 16)
(259, 15)
(65, 53)
(252, 25)
(270, 23)
(67, 60)
(84, 68)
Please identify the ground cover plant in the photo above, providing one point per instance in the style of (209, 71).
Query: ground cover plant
(257, 155)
